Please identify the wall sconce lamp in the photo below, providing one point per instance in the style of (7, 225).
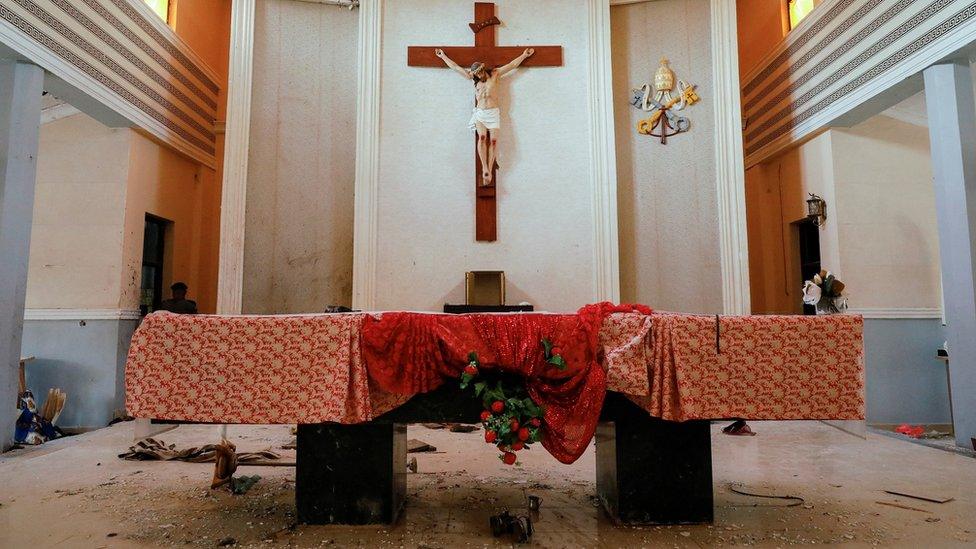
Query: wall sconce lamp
(816, 210)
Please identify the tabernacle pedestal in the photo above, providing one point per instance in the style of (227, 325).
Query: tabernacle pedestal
(651, 471)
(351, 474)
(648, 471)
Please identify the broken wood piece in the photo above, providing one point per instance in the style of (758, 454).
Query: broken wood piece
(264, 463)
(22, 380)
(794, 500)
(900, 506)
(414, 446)
(932, 499)
(225, 465)
(462, 428)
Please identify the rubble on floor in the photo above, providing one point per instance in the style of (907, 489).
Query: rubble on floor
(94, 499)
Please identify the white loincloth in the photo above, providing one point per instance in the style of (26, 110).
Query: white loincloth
(489, 118)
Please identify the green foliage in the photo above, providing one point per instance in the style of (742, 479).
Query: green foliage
(555, 360)
(518, 407)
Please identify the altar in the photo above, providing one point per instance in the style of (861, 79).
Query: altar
(352, 381)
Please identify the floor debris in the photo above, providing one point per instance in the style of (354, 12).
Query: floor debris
(932, 499)
(739, 428)
(737, 489)
(150, 449)
(452, 427)
(449, 502)
(240, 485)
(416, 446)
(900, 506)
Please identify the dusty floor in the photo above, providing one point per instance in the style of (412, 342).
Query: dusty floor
(76, 493)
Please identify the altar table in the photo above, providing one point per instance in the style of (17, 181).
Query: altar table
(666, 375)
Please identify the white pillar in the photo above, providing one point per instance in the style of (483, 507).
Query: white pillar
(730, 171)
(21, 86)
(233, 198)
(952, 130)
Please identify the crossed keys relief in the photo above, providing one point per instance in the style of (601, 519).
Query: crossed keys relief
(663, 102)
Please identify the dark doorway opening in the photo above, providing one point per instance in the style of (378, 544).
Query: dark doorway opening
(809, 240)
(153, 257)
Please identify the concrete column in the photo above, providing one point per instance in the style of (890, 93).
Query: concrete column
(952, 128)
(21, 85)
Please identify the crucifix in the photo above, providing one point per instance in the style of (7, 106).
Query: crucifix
(486, 62)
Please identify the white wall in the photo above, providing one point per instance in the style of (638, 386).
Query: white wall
(76, 236)
(301, 169)
(425, 211)
(880, 237)
(668, 217)
(889, 241)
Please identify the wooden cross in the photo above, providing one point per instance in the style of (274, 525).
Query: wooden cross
(487, 52)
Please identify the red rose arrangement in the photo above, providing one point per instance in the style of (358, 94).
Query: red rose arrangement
(511, 419)
(553, 354)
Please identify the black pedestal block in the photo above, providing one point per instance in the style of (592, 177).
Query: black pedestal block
(651, 471)
(351, 474)
(356, 474)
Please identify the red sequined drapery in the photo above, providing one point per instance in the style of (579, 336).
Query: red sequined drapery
(409, 353)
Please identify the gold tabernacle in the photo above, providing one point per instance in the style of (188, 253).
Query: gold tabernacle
(484, 287)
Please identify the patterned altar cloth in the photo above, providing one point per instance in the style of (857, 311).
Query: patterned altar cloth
(310, 368)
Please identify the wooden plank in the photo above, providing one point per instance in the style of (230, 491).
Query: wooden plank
(933, 499)
(483, 11)
(485, 208)
(486, 221)
(545, 56)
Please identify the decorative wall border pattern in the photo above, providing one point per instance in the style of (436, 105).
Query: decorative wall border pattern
(835, 54)
(848, 72)
(847, 68)
(116, 68)
(892, 60)
(167, 45)
(796, 46)
(131, 57)
(84, 44)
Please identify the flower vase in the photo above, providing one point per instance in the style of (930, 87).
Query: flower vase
(832, 306)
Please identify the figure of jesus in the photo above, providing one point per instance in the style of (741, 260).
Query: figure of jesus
(486, 118)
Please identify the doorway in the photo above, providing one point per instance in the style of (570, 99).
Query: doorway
(153, 260)
(808, 238)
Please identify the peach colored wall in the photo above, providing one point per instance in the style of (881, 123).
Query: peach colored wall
(166, 184)
(886, 215)
(762, 24)
(205, 26)
(776, 193)
(95, 185)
